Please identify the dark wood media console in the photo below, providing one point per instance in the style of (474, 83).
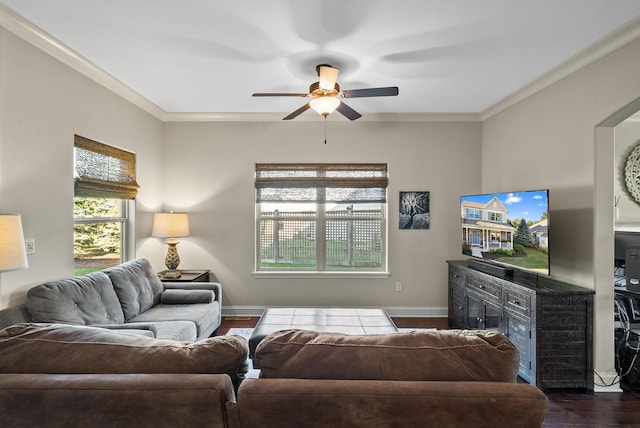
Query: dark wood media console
(551, 322)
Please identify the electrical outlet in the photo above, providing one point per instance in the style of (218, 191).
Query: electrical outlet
(398, 286)
(30, 246)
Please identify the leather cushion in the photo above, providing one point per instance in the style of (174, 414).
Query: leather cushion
(443, 355)
(59, 348)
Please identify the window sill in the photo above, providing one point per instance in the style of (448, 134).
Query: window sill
(317, 274)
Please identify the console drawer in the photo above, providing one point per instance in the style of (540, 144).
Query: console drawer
(517, 301)
(457, 275)
(487, 288)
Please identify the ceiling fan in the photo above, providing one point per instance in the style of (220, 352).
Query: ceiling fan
(327, 95)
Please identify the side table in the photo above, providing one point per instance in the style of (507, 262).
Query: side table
(187, 276)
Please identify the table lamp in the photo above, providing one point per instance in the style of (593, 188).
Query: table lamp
(171, 225)
(12, 252)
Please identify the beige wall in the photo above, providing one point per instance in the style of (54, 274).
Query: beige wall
(549, 140)
(209, 171)
(43, 103)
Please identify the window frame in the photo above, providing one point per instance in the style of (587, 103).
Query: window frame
(127, 206)
(321, 220)
(472, 212)
(495, 216)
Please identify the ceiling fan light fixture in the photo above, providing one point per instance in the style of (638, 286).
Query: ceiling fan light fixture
(324, 105)
(328, 76)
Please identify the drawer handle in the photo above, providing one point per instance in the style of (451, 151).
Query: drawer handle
(516, 302)
(455, 275)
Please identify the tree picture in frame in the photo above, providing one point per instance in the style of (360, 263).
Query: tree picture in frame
(414, 210)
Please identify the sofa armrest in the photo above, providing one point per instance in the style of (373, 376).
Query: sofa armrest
(366, 403)
(15, 315)
(141, 400)
(177, 296)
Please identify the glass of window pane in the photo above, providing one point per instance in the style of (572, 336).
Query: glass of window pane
(97, 233)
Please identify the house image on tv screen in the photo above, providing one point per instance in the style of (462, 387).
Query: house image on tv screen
(509, 228)
(485, 227)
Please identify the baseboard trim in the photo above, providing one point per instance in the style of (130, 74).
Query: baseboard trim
(606, 382)
(394, 311)
(610, 388)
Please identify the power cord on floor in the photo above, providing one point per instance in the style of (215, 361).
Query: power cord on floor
(603, 384)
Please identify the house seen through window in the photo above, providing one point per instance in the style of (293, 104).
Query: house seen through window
(105, 185)
(321, 217)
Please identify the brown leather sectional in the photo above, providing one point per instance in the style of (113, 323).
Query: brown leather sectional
(57, 375)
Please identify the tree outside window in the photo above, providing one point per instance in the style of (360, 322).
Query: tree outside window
(98, 227)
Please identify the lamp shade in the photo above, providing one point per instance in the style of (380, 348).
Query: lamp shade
(170, 225)
(12, 252)
(324, 105)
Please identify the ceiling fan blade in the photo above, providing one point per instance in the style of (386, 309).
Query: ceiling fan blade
(389, 91)
(348, 112)
(278, 94)
(328, 77)
(297, 112)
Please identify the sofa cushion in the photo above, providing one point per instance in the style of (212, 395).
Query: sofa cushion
(137, 286)
(86, 299)
(183, 331)
(443, 355)
(59, 348)
(182, 297)
(204, 315)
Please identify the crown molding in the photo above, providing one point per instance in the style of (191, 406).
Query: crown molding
(32, 34)
(277, 117)
(609, 43)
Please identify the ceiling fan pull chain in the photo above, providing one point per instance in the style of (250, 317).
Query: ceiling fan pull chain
(325, 129)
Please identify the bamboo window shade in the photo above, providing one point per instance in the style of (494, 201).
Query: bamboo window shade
(103, 171)
(298, 182)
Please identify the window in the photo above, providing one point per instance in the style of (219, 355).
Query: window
(474, 214)
(105, 185)
(494, 216)
(321, 217)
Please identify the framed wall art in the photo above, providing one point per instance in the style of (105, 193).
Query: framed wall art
(414, 210)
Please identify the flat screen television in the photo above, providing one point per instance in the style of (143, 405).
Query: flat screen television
(509, 229)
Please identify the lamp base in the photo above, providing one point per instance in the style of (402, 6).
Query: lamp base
(172, 260)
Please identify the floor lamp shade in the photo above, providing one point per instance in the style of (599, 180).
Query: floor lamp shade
(12, 251)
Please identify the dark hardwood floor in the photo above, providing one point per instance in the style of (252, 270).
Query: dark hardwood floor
(566, 408)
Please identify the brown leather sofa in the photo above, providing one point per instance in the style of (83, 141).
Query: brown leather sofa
(57, 375)
(72, 376)
(448, 378)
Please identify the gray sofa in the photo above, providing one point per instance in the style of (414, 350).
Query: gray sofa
(129, 297)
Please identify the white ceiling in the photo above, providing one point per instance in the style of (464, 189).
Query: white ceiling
(446, 56)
